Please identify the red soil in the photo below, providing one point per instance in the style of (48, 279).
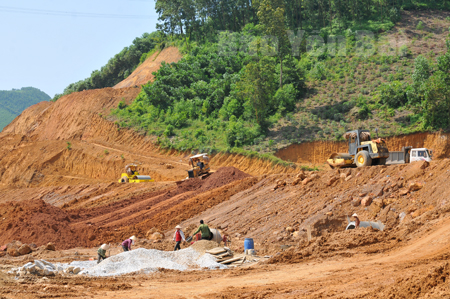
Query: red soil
(144, 72)
(37, 222)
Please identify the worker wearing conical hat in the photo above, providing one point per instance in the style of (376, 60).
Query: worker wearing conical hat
(356, 220)
(177, 237)
(126, 245)
(102, 252)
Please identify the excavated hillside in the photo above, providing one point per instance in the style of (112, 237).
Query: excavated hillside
(108, 214)
(394, 195)
(144, 72)
(59, 168)
(318, 152)
(71, 142)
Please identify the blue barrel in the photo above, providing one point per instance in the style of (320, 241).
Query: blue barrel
(248, 244)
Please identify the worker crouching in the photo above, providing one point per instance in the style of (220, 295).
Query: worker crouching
(126, 245)
(178, 237)
(102, 252)
(204, 229)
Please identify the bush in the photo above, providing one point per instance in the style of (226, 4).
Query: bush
(393, 94)
(419, 26)
(318, 72)
(169, 131)
(122, 105)
(238, 134)
(285, 98)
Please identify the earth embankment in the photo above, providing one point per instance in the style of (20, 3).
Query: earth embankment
(317, 152)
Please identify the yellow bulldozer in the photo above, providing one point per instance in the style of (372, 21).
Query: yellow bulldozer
(362, 151)
(132, 176)
(200, 166)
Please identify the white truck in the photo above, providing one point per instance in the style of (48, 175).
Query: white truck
(409, 155)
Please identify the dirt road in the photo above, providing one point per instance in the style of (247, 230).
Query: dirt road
(417, 269)
(361, 276)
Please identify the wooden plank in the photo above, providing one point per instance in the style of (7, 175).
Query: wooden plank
(231, 260)
(224, 259)
(216, 251)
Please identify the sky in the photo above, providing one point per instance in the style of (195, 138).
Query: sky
(49, 44)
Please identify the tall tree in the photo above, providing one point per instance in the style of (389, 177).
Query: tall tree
(271, 15)
(257, 87)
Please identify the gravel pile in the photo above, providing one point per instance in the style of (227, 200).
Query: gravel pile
(147, 261)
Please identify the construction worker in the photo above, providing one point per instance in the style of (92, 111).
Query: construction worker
(206, 233)
(356, 220)
(126, 245)
(177, 237)
(225, 239)
(102, 252)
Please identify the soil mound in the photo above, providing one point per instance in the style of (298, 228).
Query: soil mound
(346, 243)
(37, 222)
(223, 176)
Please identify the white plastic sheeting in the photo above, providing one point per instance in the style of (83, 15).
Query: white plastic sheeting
(147, 261)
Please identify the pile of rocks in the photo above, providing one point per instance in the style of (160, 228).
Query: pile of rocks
(42, 268)
(17, 248)
(155, 235)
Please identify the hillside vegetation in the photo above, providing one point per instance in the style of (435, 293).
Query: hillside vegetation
(13, 102)
(259, 76)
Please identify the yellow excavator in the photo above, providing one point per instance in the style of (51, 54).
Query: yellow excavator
(132, 176)
(362, 151)
(200, 166)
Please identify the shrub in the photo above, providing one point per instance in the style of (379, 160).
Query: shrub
(419, 26)
(285, 98)
(238, 134)
(319, 71)
(169, 131)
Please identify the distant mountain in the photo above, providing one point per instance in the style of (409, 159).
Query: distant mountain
(13, 102)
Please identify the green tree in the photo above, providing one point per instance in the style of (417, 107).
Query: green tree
(257, 87)
(271, 15)
(420, 76)
(393, 94)
(436, 105)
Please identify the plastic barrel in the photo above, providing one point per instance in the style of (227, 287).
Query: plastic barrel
(248, 244)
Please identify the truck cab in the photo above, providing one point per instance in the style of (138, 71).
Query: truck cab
(420, 154)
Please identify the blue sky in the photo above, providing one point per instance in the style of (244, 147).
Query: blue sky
(49, 44)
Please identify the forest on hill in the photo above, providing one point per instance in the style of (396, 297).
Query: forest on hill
(13, 102)
(264, 74)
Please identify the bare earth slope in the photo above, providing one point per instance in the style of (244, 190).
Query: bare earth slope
(144, 72)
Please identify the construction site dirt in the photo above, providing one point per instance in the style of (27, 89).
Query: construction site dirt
(59, 168)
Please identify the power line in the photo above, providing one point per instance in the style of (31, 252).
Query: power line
(69, 13)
